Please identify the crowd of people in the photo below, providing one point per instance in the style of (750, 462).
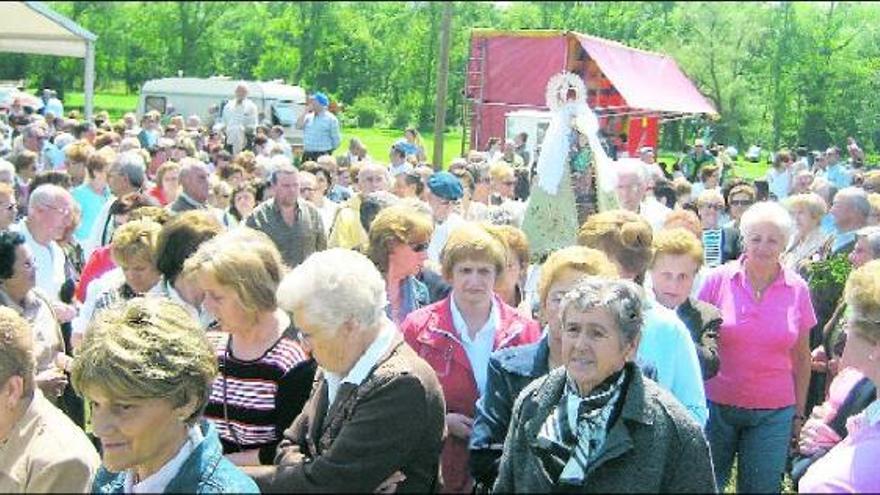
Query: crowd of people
(193, 309)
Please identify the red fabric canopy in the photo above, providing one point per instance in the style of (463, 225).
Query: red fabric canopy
(647, 81)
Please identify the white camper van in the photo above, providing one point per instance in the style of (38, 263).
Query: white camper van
(277, 103)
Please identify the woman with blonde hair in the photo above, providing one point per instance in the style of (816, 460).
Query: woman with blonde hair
(399, 237)
(146, 370)
(666, 352)
(510, 370)
(457, 335)
(239, 272)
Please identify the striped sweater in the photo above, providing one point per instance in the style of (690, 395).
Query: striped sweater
(262, 397)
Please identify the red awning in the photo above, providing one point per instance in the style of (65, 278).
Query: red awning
(647, 81)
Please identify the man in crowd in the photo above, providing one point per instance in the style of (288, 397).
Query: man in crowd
(293, 224)
(195, 186)
(239, 119)
(631, 193)
(320, 128)
(695, 160)
(444, 190)
(347, 231)
(851, 210)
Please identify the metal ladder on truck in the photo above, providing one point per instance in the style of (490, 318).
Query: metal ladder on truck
(473, 93)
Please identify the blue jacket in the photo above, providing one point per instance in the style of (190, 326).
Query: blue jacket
(510, 371)
(206, 471)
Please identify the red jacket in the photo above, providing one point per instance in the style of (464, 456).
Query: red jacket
(431, 333)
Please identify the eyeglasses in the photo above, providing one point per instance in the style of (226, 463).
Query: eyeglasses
(418, 248)
(63, 210)
(741, 202)
(713, 206)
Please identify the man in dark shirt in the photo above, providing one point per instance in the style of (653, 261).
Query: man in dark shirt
(293, 224)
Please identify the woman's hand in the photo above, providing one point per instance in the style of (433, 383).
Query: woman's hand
(459, 425)
(819, 359)
(390, 484)
(64, 312)
(52, 382)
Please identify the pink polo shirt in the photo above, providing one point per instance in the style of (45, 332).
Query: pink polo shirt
(756, 337)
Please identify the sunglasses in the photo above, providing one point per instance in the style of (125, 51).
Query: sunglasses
(713, 206)
(418, 248)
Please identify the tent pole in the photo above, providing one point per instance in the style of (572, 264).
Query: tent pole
(89, 79)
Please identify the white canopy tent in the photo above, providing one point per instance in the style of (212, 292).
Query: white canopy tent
(32, 27)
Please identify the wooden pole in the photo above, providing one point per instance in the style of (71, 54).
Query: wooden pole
(442, 79)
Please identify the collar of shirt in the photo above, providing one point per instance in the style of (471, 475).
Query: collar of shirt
(187, 198)
(364, 365)
(158, 481)
(872, 413)
(461, 326)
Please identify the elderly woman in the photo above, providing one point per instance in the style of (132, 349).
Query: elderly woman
(851, 466)
(710, 207)
(399, 239)
(809, 239)
(41, 449)
(146, 371)
(377, 411)
(758, 397)
(266, 376)
(18, 292)
(666, 352)
(596, 424)
(457, 335)
(678, 256)
(510, 370)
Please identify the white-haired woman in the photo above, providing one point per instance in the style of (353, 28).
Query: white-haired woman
(808, 240)
(757, 399)
(377, 413)
(595, 424)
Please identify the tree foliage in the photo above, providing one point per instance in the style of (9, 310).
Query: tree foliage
(780, 73)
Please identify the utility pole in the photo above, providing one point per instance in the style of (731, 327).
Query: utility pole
(442, 79)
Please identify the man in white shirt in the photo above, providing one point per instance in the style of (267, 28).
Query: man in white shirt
(444, 190)
(631, 193)
(239, 118)
(49, 211)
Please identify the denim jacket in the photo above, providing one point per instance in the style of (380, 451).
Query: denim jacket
(510, 371)
(206, 471)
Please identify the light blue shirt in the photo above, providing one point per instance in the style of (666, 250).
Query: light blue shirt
(828, 225)
(839, 176)
(321, 132)
(479, 349)
(90, 203)
(668, 356)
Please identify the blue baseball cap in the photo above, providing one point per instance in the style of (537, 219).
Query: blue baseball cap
(446, 186)
(321, 98)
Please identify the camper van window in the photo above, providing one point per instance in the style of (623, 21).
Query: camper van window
(284, 114)
(156, 103)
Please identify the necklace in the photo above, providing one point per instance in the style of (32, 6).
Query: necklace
(760, 284)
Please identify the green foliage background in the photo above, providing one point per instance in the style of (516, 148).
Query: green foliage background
(780, 73)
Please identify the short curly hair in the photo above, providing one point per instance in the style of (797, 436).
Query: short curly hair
(622, 235)
(472, 242)
(135, 241)
(149, 348)
(676, 242)
(396, 224)
(573, 258)
(9, 240)
(514, 240)
(621, 298)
